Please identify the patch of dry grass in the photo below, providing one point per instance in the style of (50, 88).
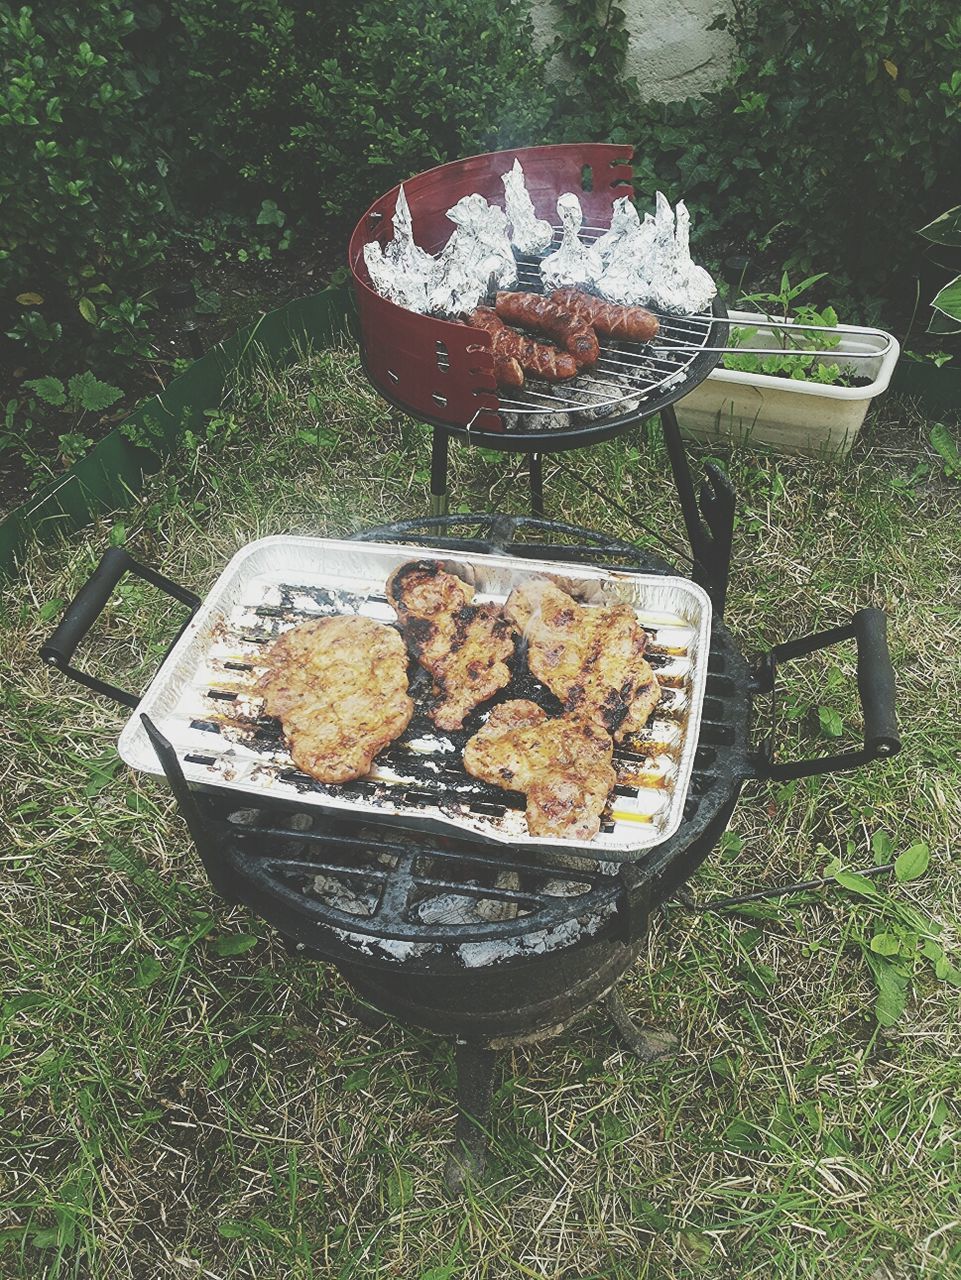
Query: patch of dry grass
(170, 1110)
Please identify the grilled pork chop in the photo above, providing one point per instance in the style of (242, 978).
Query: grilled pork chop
(563, 766)
(464, 646)
(592, 659)
(339, 688)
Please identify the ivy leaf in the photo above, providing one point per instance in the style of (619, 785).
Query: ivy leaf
(30, 299)
(831, 722)
(87, 310)
(912, 863)
(235, 944)
(88, 392)
(270, 215)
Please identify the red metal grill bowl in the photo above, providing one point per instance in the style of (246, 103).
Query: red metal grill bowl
(438, 370)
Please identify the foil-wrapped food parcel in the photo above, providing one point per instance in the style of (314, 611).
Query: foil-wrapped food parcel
(634, 262)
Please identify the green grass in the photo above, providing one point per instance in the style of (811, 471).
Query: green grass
(181, 1098)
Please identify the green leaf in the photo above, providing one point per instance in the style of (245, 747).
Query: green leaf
(860, 885)
(945, 229)
(49, 389)
(882, 846)
(939, 324)
(931, 949)
(235, 944)
(87, 310)
(831, 722)
(885, 944)
(400, 1189)
(270, 215)
(946, 971)
(50, 609)
(892, 994)
(30, 299)
(88, 392)
(912, 863)
(943, 444)
(147, 972)
(948, 299)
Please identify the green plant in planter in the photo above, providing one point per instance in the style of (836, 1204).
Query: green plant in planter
(946, 231)
(789, 359)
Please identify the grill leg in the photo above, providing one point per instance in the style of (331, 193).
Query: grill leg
(475, 1089)
(438, 472)
(537, 486)
(647, 1045)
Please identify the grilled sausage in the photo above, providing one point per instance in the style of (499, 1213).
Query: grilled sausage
(536, 358)
(633, 324)
(507, 372)
(561, 324)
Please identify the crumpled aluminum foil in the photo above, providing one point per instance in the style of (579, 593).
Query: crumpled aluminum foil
(486, 226)
(529, 234)
(574, 262)
(403, 271)
(625, 222)
(479, 249)
(652, 265)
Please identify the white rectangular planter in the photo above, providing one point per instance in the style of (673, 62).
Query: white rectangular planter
(790, 416)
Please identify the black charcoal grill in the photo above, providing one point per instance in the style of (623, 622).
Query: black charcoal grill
(492, 945)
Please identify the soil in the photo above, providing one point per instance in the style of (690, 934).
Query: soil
(246, 291)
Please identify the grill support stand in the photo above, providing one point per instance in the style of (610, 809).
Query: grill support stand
(475, 1092)
(708, 513)
(646, 1045)
(439, 500)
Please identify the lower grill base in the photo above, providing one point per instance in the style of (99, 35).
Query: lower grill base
(492, 1009)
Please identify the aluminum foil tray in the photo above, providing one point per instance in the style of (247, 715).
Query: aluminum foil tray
(204, 699)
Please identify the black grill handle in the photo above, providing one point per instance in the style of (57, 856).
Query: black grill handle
(876, 686)
(86, 607)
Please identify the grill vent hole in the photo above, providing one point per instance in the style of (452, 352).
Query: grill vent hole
(392, 375)
(587, 178)
(443, 357)
(439, 399)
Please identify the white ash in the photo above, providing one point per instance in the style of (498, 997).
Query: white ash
(529, 234)
(341, 897)
(574, 263)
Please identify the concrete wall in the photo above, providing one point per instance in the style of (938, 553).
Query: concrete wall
(672, 53)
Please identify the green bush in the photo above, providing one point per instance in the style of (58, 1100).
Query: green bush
(80, 181)
(130, 135)
(326, 111)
